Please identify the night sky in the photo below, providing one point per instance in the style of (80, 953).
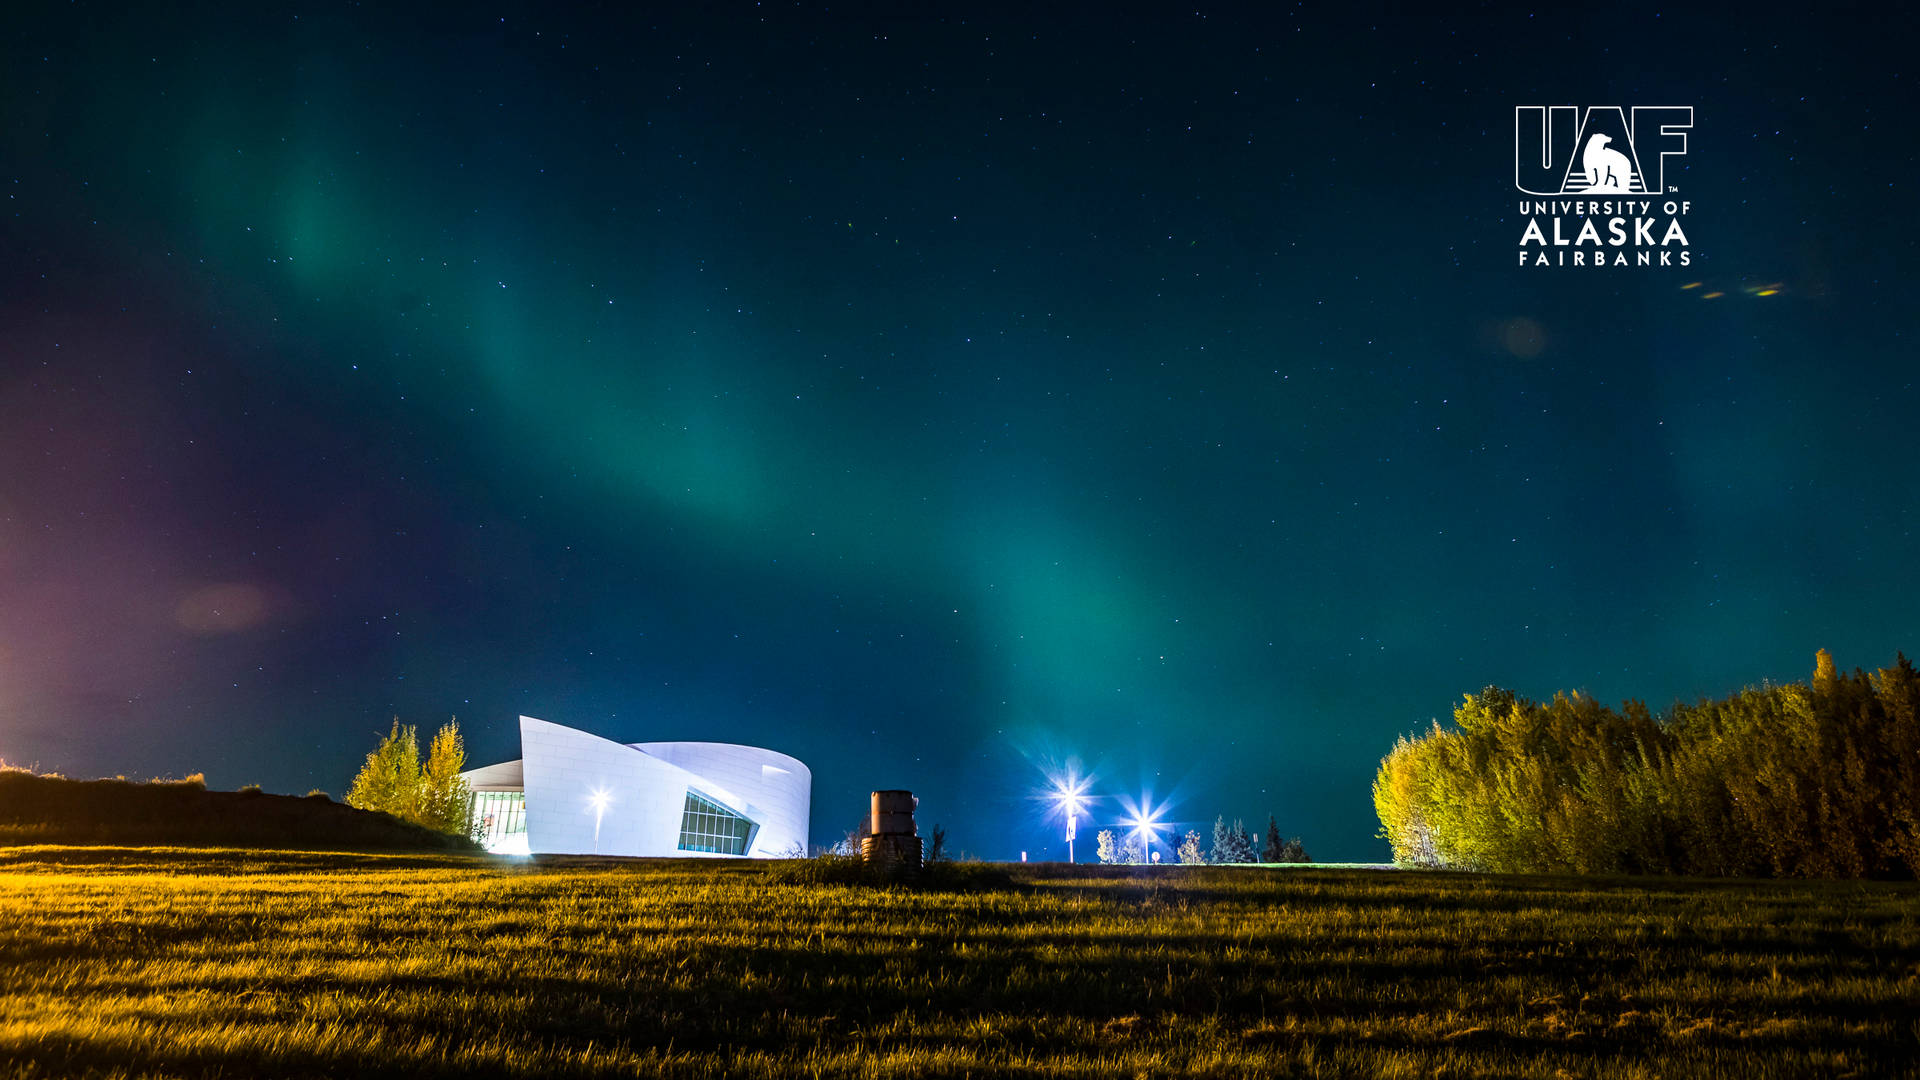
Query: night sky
(934, 399)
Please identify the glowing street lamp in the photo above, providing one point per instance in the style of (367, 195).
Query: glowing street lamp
(1145, 825)
(599, 800)
(1070, 796)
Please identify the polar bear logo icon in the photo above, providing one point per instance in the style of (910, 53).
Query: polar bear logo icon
(1607, 169)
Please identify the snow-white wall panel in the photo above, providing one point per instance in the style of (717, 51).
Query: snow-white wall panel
(777, 789)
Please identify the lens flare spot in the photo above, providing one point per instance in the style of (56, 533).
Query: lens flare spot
(222, 608)
(1523, 338)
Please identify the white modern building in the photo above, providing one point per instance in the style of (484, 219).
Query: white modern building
(579, 794)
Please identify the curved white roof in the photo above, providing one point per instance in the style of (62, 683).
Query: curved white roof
(585, 794)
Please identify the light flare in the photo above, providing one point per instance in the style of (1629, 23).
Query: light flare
(598, 800)
(1144, 823)
(1070, 796)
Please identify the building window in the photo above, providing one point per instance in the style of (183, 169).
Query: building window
(500, 820)
(708, 826)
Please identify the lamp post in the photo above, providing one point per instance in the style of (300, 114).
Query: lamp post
(1146, 826)
(1070, 795)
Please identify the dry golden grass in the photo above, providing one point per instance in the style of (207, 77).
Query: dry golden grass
(171, 962)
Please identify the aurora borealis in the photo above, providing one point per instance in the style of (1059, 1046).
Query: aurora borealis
(929, 398)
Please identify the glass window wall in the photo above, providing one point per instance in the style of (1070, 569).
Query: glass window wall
(708, 826)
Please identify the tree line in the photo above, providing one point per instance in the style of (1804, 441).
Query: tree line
(433, 793)
(1231, 844)
(1812, 779)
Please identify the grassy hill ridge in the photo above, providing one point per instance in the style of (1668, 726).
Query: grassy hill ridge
(37, 809)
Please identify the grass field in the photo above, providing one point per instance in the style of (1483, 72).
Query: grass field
(152, 962)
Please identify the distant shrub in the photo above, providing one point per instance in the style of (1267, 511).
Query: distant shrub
(1811, 779)
(1190, 852)
(829, 869)
(1280, 850)
(196, 781)
(316, 793)
(249, 789)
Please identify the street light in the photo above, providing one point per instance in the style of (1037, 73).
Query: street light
(1145, 825)
(1069, 794)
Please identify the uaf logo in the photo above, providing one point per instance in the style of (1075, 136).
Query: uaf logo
(1610, 148)
(1617, 160)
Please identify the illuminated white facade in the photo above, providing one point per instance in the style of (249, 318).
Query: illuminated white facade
(579, 794)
